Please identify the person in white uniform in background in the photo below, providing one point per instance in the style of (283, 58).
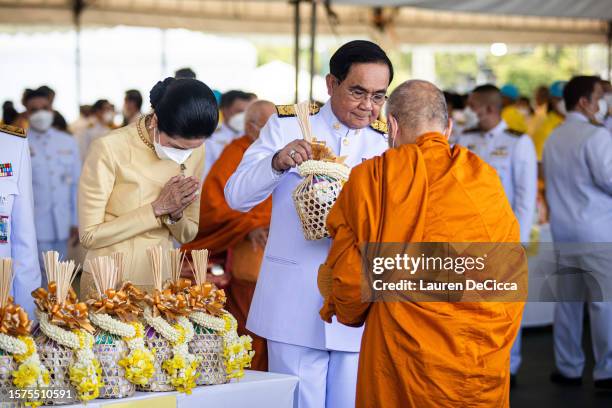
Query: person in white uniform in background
(233, 105)
(578, 170)
(286, 303)
(56, 168)
(17, 231)
(102, 116)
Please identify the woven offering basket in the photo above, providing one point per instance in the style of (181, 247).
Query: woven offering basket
(163, 351)
(208, 345)
(316, 194)
(57, 359)
(7, 365)
(109, 349)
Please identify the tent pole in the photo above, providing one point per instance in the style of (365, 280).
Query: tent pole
(313, 34)
(296, 47)
(77, 10)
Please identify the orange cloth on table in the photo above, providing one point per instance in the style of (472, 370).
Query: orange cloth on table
(426, 354)
(223, 229)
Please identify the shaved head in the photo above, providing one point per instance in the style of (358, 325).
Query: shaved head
(417, 107)
(256, 116)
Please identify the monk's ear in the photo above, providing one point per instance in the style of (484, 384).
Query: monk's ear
(393, 130)
(449, 128)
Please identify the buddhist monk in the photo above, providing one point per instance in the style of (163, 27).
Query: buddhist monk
(242, 235)
(422, 354)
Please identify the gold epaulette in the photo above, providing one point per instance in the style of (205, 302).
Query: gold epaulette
(13, 130)
(379, 126)
(287, 111)
(514, 132)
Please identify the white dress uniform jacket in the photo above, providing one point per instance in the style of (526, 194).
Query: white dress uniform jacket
(286, 303)
(17, 233)
(56, 168)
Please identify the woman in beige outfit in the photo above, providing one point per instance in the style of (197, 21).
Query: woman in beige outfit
(139, 185)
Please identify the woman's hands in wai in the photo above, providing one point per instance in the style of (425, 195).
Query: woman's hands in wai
(178, 193)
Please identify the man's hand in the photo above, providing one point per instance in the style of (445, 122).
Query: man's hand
(74, 236)
(258, 238)
(294, 154)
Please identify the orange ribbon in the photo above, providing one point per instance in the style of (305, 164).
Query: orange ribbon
(71, 314)
(14, 321)
(170, 305)
(121, 303)
(207, 298)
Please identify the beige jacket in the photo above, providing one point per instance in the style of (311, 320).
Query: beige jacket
(121, 177)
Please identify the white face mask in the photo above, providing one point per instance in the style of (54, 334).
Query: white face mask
(179, 156)
(108, 117)
(602, 112)
(471, 118)
(41, 120)
(236, 123)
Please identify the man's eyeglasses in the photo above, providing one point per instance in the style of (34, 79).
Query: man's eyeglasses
(359, 95)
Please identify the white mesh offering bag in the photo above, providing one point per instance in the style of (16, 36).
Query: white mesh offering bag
(324, 177)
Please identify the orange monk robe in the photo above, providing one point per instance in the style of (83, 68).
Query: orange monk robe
(426, 354)
(223, 229)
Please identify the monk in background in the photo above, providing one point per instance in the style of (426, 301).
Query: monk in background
(425, 354)
(242, 235)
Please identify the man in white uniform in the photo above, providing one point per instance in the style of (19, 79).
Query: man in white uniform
(286, 303)
(578, 169)
(17, 232)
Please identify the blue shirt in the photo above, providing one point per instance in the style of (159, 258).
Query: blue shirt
(578, 169)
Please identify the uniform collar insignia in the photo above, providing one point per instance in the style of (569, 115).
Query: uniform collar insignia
(13, 130)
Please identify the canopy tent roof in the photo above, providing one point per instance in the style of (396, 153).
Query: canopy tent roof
(421, 22)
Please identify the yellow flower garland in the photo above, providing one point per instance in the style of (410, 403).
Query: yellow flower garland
(139, 365)
(30, 372)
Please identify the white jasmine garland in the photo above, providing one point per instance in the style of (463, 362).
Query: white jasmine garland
(338, 171)
(208, 321)
(57, 334)
(12, 345)
(112, 325)
(161, 326)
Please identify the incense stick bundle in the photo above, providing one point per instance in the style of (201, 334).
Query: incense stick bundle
(302, 111)
(6, 279)
(65, 274)
(200, 265)
(51, 259)
(104, 273)
(119, 259)
(177, 258)
(156, 257)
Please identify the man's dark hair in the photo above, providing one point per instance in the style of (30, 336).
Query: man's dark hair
(229, 97)
(47, 90)
(185, 73)
(29, 94)
(9, 113)
(491, 92)
(357, 52)
(99, 105)
(134, 96)
(578, 87)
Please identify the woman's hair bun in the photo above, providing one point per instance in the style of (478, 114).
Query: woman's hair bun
(159, 90)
